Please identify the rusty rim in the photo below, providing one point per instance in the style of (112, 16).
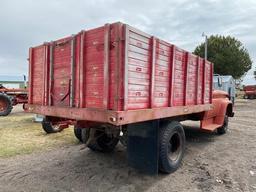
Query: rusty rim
(174, 147)
(3, 105)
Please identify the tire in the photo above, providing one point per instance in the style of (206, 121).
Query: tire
(123, 139)
(245, 96)
(78, 133)
(171, 146)
(251, 96)
(5, 105)
(103, 142)
(48, 127)
(223, 129)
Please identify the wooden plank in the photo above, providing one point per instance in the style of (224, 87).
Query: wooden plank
(186, 78)
(172, 65)
(211, 81)
(203, 82)
(51, 74)
(197, 79)
(118, 67)
(82, 83)
(126, 67)
(152, 78)
(72, 70)
(106, 66)
(30, 95)
(45, 75)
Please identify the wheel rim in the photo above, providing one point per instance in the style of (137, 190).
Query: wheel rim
(174, 147)
(56, 127)
(3, 105)
(106, 139)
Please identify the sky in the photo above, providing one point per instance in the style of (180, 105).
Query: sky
(28, 23)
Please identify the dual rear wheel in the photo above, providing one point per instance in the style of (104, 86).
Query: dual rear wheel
(102, 141)
(171, 141)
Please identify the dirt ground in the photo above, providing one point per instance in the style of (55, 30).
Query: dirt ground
(211, 163)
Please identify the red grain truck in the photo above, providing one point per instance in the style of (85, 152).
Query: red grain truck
(115, 83)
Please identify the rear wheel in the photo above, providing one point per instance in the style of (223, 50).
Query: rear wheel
(171, 146)
(102, 141)
(251, 96)
(49, 127)
(5, 105)
(223, 129)
(78, 133)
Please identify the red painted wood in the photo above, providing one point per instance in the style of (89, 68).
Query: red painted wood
(82, 83)
(152, 72)
(118, 68)
(30, 81)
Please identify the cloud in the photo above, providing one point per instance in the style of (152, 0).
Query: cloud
(28, 23)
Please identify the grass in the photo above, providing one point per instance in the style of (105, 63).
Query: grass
(20, 135)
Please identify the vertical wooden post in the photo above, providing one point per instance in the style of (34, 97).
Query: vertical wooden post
(211, 81)
(30, 75)
(106, 66)
(126, 67)
(153, 64)
(72, 70)
(45, 75)
(51, 74)
(204, 80)
(186, 78)
(197, 78)
(82, 72)
(118, 68)
(171, 81)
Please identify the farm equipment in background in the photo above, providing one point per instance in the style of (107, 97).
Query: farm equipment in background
(250, 92)
(10, 98)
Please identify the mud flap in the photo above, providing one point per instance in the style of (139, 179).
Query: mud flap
(142, 146)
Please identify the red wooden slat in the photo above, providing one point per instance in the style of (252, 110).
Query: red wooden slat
(116, 97)
(186, 78)
(172, 64)
(126, 66)
(45, 75)
(30, 95)
(82, 83)
(197, 79)
(203, 82)
(51, 74)
(106, 66)
(211, 81)
(152, 78)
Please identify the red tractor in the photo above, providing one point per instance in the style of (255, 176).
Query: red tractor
(10, 98)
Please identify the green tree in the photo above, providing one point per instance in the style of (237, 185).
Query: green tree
(228, 54)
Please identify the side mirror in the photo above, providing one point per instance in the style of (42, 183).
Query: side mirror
(219, 81)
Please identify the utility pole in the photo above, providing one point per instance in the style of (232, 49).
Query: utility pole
(205, 45)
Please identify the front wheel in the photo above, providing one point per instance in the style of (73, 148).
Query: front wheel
(49, 127)
(171, 146)
(223, 129)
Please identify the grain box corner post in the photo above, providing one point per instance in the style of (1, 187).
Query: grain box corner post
(119, 79)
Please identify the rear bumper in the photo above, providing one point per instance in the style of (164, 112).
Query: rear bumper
(116, 117)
